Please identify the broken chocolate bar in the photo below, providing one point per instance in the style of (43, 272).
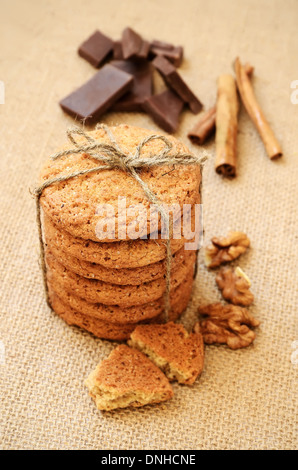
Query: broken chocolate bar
(96, 48)
(131, 43)
(144, 50)
(162, 45)
(117, 51)
(165, 109)
(173, 53)
(133, 46)
(175, 81)
(97, 95)
(141, 89)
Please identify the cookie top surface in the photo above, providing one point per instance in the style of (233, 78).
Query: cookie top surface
(171, 342)
(77, 205)
(127, 370)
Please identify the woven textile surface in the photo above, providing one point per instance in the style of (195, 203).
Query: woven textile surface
(245, 399)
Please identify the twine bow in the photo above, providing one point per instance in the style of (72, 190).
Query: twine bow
(113, 156)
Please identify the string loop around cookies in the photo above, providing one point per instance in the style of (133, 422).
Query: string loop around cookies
(112, 156)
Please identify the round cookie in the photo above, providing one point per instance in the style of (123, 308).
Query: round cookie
(104, 329)
(75, 204)
(111, 294)
(124, 276)
(134, 314)
(117, 255)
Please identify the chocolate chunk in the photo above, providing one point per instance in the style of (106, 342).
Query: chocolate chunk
(165, 109)
(162, 45)
(173, 53)
(97, 95)
(117, 51)
(131, 43)
(144, 50)
(96, 48)
(175, 81)
(141, 70)
(175, 56)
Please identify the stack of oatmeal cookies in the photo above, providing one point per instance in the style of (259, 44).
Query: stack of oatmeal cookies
(104, 247)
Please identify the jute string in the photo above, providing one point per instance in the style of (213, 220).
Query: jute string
(113, 156)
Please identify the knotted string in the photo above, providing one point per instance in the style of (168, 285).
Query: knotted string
(113, 156)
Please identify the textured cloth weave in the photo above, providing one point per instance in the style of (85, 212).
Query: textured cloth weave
(245, 398)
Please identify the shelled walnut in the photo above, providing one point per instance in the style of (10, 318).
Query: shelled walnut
(234, 286)
(227, 324)
(226, 249)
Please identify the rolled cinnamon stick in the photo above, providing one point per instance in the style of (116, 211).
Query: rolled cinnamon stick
(249, 69)
(249, 100)
(226, 125)
(206, 123)
(204, 127)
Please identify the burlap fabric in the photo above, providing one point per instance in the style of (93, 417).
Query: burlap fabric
(245, 398)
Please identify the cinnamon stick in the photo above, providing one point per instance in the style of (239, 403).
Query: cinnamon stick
(206, 123)
(249, 100)
(204, 127)
(226, 125)
(249, 69)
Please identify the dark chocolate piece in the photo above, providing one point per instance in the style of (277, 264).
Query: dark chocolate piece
(175, 56)
(133, 46)
(175, 81)
(141, 70)
(97, 95)
(165, 109)
(162, 45)
(173, 53)
(117, 51)
(96, 48)
(131, 43)
(144, 50)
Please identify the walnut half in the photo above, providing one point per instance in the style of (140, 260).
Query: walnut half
(227, 324)
(225, 249)
(234, 286)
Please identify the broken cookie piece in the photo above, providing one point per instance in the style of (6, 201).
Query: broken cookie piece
(127, 378)
(234, 286)
(179, 354)
(226, 249)
(227, 324)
